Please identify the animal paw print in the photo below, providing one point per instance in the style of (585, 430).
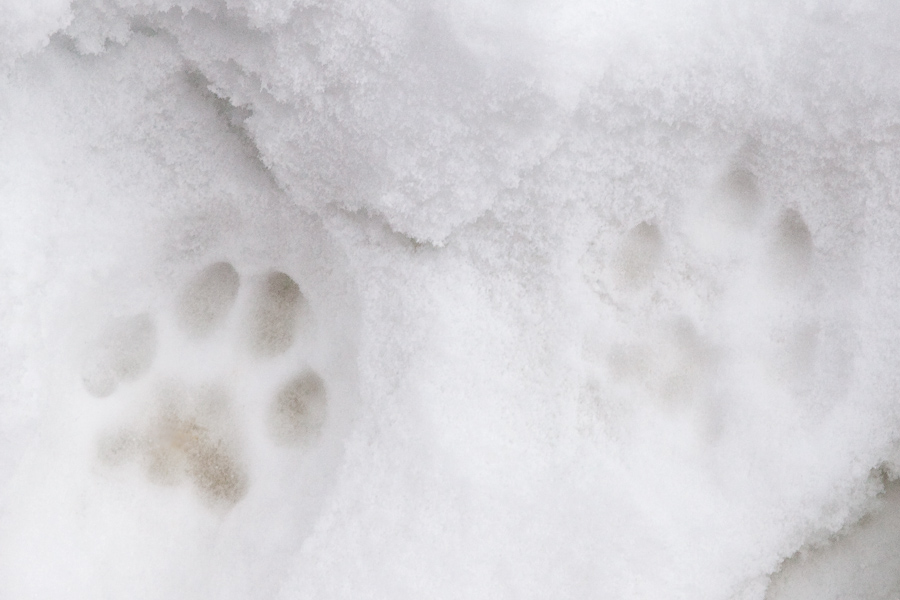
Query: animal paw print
(176, 378)
(725, 286)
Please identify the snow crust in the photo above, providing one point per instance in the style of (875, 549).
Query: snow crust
(443, 299)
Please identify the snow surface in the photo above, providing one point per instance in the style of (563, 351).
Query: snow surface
(388, 299)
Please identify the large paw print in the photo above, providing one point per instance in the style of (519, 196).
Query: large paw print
(181, 424)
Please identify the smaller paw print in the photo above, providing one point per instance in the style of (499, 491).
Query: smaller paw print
(181, 428)
(684, 304)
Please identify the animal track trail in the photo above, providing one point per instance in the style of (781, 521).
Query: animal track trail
(184, 432)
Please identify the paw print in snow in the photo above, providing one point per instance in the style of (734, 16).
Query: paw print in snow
(181, 428)
(727, 285)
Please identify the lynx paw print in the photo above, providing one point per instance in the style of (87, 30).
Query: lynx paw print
(182, 383)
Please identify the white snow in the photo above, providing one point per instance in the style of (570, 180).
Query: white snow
(386, 299)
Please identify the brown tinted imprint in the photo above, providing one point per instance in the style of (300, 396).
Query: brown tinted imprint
(299, 411)
(191, 437)
(274, 318)
(207, 299)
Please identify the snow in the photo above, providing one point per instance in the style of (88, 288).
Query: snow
(449, 299)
